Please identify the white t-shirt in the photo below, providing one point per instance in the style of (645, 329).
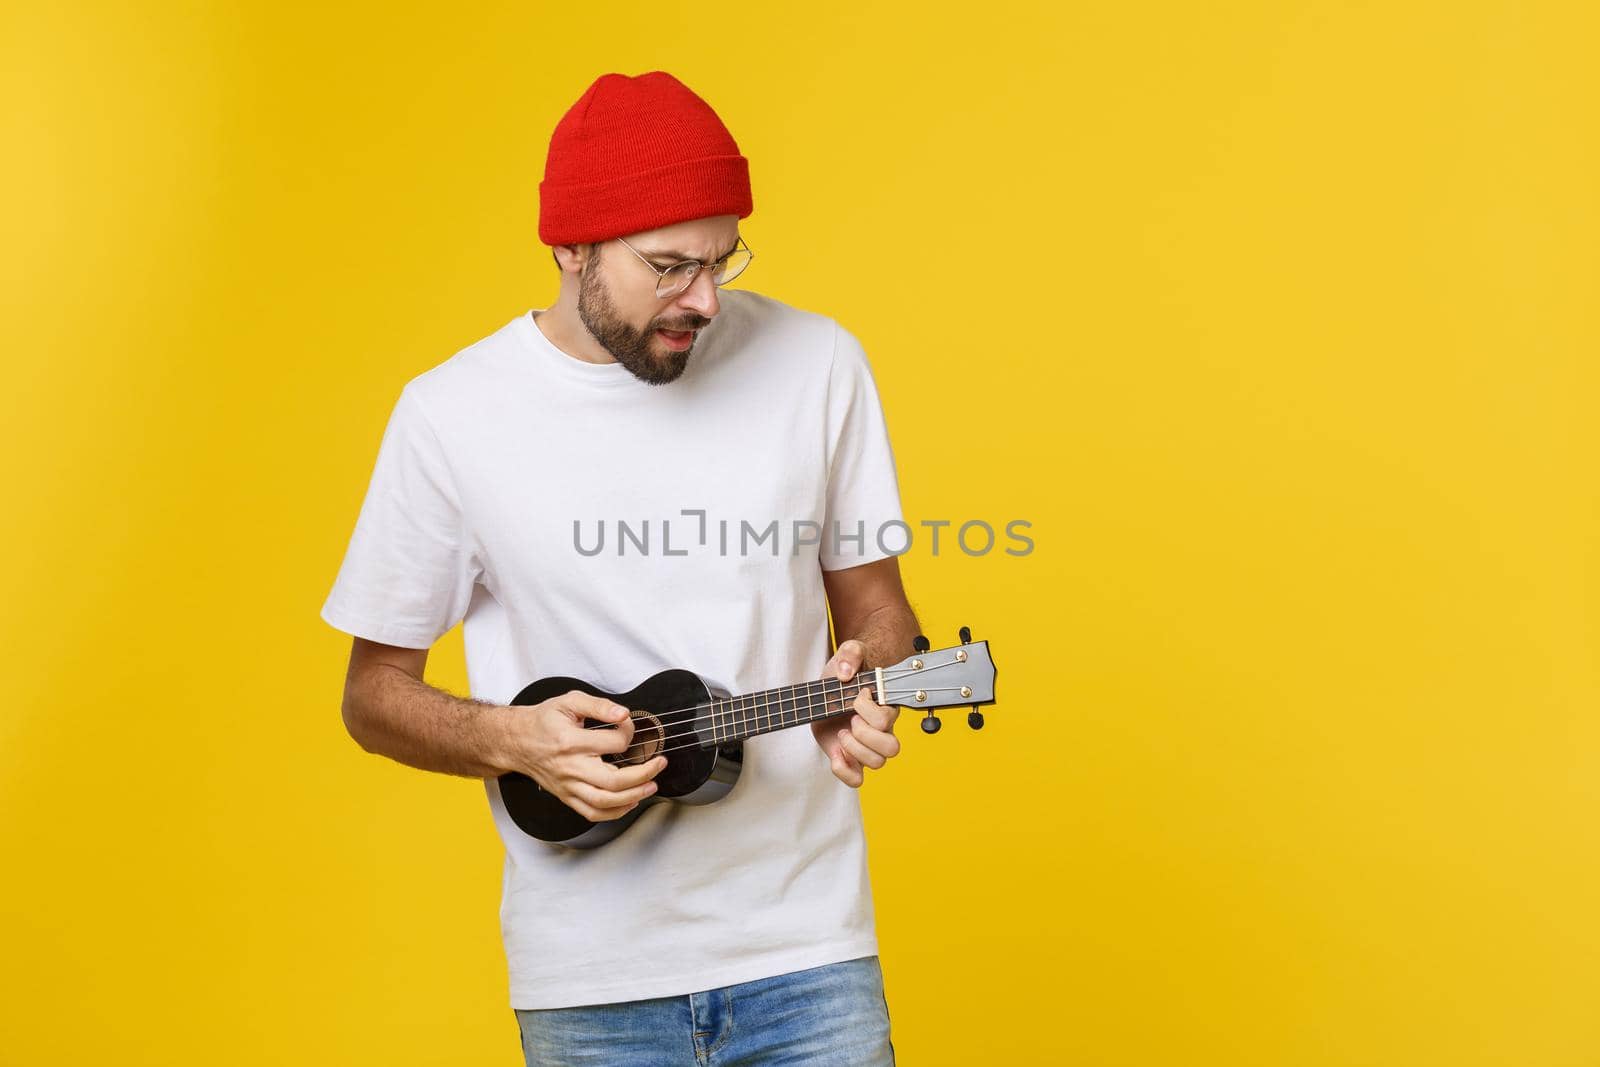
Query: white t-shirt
(500, 471)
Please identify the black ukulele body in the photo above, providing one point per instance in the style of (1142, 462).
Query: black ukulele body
(697, 771)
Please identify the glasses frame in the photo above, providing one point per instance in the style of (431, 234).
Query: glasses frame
(695, 272)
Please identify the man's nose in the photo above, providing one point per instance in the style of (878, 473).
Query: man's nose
(701, 296)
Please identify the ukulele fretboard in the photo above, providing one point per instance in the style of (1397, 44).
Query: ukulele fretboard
(738, 717)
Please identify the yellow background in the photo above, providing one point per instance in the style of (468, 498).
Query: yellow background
(1276, 320)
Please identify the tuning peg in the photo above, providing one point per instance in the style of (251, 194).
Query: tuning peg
(920, 643)
(931, 724)
(966, 635)
(975, 718)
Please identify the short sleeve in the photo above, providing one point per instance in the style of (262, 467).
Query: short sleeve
(863, 522)
(408, 572)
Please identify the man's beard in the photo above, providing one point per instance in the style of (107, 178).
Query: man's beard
(630, 347)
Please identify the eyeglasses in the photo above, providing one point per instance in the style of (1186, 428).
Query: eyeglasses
(678, 277)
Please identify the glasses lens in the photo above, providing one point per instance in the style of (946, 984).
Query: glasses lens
(729, 268)
(675, 280)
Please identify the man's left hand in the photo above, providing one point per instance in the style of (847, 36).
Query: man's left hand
(863, 737)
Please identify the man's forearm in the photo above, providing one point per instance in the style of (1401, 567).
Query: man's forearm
(392, 714)
(886, 634)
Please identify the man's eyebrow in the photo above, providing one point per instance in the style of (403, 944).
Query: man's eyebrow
(679, 257)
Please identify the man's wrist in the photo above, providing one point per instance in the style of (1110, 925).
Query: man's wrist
(498, 729)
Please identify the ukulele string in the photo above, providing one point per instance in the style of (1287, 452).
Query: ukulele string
(697, 743)
(862, 681)
(868, 677)
(713, 744)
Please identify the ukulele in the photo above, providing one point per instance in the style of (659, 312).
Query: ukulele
(701, 730)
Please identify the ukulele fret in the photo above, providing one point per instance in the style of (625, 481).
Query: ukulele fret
(766, 710)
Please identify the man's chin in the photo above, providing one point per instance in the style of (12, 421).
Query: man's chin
(661, 365)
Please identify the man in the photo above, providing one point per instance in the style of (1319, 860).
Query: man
(745, 435)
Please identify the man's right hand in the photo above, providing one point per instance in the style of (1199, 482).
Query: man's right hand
(550, 744)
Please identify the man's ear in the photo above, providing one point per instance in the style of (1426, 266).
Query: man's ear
(575, 253)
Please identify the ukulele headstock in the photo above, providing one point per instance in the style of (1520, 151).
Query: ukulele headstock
(942, 678)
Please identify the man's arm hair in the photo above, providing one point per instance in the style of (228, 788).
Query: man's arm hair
(868, 603)
(390, 711)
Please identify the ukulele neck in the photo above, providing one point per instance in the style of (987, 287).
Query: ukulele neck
(736, 718)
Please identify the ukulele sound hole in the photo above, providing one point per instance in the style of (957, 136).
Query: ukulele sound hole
(649, 738)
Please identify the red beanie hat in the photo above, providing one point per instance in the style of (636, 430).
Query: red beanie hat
(634, 154)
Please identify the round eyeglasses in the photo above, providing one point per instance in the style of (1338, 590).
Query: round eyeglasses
(678, 277)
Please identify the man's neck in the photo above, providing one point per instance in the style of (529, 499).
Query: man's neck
(567, 332)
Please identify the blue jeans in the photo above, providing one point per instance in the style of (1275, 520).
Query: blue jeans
(835, 1014)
